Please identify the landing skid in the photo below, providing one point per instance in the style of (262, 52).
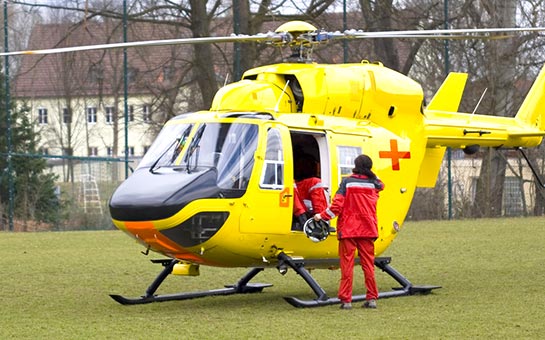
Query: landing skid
(241, 287)
(407, 288)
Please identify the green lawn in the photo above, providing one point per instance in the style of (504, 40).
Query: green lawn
(55, 285)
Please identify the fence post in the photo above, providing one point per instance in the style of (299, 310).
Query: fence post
(8, 120)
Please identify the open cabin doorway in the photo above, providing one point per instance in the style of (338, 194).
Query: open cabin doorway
(310, 159)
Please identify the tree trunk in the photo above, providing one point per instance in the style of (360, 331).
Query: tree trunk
(489, 191)
(204, 69)
(379, 17)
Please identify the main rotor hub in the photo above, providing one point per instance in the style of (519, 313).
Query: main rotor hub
(300, 39)
(296, 27)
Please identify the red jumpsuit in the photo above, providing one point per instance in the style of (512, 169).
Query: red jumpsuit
(312, 193)
(355, 203)
(298, 206)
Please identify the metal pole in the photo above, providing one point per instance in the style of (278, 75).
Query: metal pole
(449, 150)
(125, 90)
(8, 122)
(237, 73)
(345, 27)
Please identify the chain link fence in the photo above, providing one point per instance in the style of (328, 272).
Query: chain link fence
(455, 193)
(83, 187)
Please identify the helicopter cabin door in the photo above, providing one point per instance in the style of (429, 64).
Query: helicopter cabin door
(268, 205)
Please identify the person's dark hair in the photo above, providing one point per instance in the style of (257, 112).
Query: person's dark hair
(305, 167)
(363, 165)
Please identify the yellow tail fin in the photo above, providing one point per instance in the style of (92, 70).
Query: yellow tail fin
(449, 95)
(532, 110)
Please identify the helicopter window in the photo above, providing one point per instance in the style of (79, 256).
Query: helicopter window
(272, 176)
(167, 146)
(194, 148)
(227, 148)
(346, 156)
(233, 154)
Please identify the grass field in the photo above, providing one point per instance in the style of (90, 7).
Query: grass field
(56, 286)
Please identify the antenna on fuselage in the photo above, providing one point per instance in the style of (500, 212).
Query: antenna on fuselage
(478, 103)
(226, 79)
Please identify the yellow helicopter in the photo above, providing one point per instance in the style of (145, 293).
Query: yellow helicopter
(217, 187)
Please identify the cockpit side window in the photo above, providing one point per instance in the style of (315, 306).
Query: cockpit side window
(272, 175)
(167, 146)
(226, 149)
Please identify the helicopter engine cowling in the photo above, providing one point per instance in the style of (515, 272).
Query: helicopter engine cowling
(253, 95)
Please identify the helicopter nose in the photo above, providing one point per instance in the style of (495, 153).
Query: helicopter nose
(152, 199)
(145, 196)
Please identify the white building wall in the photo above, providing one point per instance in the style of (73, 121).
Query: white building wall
(465, 173)
(88, 132)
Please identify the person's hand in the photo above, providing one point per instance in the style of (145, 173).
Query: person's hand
(317, 217)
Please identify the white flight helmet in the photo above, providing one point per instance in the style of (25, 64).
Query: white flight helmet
(316, 231)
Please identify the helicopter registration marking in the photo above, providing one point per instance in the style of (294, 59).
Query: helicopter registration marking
(394, 154)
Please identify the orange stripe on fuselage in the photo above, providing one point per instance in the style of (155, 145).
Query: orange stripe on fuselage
(146, 232)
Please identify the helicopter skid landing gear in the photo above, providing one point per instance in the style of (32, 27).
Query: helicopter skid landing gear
(407, 288)
(241, 287)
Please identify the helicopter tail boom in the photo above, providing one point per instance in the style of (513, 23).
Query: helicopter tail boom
(469, 131)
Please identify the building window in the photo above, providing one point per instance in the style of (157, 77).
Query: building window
(146, 114)
(96, 74)
(42, 116)
(109, 151)
(131, 151)
(457, 154)
(67, 151)
(66, 115)
(146, 148)
(91, 115)
(131, 113)
(347, 155)
(512, 196)
(132, 73)
(168, 73)
(93, 151)
(109, 114)
(43, 151)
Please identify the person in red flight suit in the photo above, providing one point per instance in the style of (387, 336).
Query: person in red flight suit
(309, 192)
(355, 203)
(313, 194)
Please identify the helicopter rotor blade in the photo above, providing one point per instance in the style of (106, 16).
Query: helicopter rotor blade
(478, 33)
(475, 33)
(268, 38)
(300, 38)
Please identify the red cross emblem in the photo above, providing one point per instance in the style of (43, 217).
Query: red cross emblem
(394, 154)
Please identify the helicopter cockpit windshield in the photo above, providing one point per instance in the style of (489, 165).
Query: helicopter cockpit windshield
(228, 148)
